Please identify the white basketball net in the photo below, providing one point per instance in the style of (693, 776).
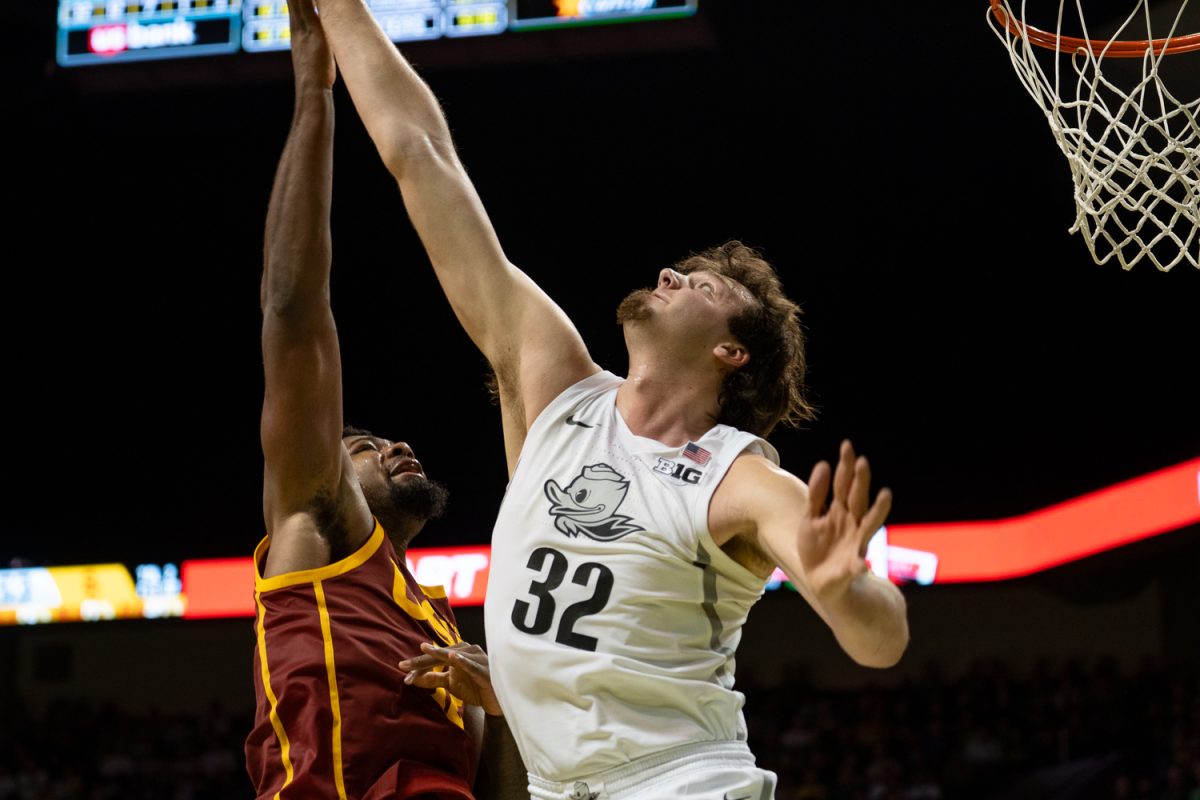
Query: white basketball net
(1134, 153)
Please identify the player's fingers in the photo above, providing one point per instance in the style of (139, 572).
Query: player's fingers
(302, 10)
(818, 488)
(860, 488)
(428, 680)
(296, 20)
(433, 656)
(444, 652)
(875, 517)
(460, 647)
(843, 476)
(419, 662)
(472, 664)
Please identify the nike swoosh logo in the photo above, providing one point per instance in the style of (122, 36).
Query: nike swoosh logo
(739, 797)
(572, 421)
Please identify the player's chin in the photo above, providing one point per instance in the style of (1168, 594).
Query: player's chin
(414, 494)
(635, 307)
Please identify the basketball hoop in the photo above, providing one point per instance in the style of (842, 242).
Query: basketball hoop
(1134, 152)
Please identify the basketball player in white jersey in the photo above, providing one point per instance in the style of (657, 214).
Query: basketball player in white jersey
(643, 515)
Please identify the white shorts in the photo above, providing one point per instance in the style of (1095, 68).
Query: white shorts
(708, 771)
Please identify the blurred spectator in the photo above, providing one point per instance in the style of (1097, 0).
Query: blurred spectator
(1066, 731)
(1069, 730)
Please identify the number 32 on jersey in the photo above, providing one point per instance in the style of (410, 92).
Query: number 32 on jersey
(537, 617)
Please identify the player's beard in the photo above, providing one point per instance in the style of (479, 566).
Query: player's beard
(419, 497)
(635, 307)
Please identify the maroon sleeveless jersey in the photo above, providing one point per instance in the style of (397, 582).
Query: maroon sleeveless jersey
(335, 718)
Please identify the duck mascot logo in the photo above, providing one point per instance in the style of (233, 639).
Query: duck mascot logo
(589, 504)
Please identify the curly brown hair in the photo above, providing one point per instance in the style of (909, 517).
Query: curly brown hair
(769, 389)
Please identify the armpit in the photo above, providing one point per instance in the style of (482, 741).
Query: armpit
(747, 553)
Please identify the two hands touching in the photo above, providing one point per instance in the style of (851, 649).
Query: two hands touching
(312, 59)
(461, 669)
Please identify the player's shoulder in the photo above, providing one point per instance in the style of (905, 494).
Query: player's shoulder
(739, 442)
(584, 388)
(758, 478)
(552, 381)
(753, 491)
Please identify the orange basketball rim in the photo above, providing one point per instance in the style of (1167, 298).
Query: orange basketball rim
(1129, 48)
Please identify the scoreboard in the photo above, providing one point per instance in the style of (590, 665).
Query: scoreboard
(97, 31)
(107, 31)
(266, 21)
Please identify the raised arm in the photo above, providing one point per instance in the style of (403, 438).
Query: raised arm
(821, 548)
(307, 473)
(530, 343)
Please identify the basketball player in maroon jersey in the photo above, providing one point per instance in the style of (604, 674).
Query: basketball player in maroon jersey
(337, 608)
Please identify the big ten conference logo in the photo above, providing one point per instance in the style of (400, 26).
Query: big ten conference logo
(464, 572)
(683, 473)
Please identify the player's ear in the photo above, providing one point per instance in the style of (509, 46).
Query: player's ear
(732, 354)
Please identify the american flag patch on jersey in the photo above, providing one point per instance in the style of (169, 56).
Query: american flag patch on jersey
(697, 453)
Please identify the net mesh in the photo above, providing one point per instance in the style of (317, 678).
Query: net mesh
(1134, 152)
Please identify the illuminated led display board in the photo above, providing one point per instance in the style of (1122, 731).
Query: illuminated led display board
(89, 593)
(996, 550)
(99, 31)
(224, 587)
(106, 31)
(531, 14)
(201, 588)
(950, 552)
(266, 21)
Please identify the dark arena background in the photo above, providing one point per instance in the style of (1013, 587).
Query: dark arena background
(883, 157)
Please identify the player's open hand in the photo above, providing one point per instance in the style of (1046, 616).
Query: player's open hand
(461, 669)
(833, 538)
(312, 60)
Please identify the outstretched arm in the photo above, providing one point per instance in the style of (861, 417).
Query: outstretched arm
(533, 347)
(306, 465)
(822, 548)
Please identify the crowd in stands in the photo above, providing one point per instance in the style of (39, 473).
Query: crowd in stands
(78, 750)
(1068, 731)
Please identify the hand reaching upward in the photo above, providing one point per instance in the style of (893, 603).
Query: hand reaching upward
(312, 60)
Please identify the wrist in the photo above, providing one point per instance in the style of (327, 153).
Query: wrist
(312, 90)
(839, 597)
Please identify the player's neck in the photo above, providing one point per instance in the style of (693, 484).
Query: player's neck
(401, 530)
(669, 404)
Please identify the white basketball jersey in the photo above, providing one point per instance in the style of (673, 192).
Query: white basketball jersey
(612, 616)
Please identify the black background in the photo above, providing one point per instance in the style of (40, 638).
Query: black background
(884, 158)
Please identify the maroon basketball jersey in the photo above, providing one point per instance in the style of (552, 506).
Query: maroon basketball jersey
(335, 718)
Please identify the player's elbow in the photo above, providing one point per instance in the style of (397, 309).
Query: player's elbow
(409, 148)
(287, 303)
(883, 659)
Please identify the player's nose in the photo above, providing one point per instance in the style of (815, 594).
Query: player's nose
(669, 279)
(398, 449)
